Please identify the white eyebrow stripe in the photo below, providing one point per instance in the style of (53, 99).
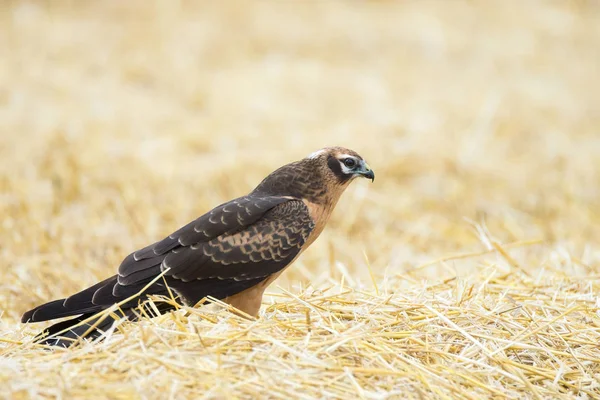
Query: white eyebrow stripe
(316, 154)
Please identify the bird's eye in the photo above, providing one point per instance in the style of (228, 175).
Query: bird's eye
(350, 162)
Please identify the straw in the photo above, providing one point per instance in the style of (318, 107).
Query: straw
(469, 269)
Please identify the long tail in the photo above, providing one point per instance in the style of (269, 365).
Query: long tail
(68, 332)
(59, 334)
(83, 307)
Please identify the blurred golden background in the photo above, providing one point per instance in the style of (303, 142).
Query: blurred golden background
(121, 121)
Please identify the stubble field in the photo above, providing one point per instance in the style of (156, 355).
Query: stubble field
(469, 269)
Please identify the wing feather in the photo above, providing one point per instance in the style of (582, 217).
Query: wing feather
(228, 217)
(232, 248)
(267, 246)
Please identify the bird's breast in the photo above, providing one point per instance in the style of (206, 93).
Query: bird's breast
(320, 214)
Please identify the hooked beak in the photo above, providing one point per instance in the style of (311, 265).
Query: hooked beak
(366, 172)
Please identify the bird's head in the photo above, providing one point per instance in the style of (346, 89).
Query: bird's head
(320, 177)
(341, 164)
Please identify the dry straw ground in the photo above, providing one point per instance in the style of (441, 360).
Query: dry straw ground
(469, 269)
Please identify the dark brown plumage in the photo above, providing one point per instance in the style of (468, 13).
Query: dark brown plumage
(231, 253)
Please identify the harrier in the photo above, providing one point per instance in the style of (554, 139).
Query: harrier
(231, 253)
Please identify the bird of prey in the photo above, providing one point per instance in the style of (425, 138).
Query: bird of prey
(231, 253)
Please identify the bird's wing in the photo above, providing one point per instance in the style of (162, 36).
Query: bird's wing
(263, 248)
(140, 267)
(224, 252)
(219, 267)
(227, 218)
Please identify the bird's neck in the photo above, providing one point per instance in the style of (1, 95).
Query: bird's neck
(301, 180)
